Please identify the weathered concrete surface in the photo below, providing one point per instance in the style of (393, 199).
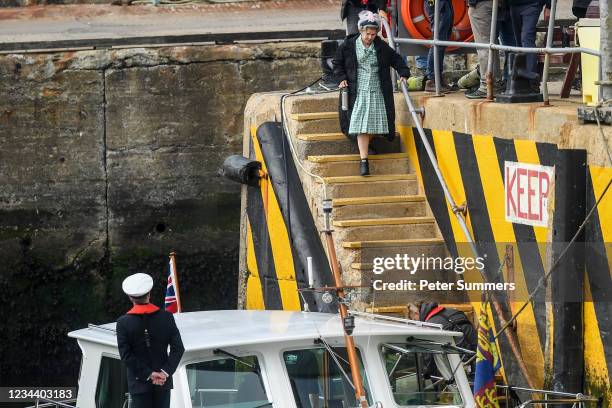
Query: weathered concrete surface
(108, 163)
(557, 123)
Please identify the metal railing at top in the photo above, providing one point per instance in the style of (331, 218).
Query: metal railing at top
(49, 403)
(545, 397)
(547, 51)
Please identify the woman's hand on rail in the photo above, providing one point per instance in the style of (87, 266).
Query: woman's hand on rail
(343, 84)
(404, 80)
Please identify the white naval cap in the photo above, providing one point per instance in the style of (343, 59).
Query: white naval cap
(137, 285)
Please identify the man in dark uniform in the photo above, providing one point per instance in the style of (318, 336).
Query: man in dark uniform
(350, 9)
(143, 336)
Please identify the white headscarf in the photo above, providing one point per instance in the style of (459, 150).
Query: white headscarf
(368, 19)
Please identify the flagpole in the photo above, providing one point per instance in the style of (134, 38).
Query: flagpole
(175, 280)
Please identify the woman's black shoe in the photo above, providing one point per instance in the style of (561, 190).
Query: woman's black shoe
(364, 167)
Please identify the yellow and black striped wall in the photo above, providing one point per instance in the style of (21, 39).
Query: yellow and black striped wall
(566, 343)
(281, 232)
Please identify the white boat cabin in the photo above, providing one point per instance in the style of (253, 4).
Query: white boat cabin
(250, 359)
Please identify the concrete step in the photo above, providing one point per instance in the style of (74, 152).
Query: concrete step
(378, 222)
(395, 243)
(339, 202)
(368, 179)
(323, 125)
(331, 158)
(367, 268)
(348, 168)
(321, 137)
(341, 146)
(305, 116)
(313, 103)
(370, 231)
(377, 186)
(379, 207)
(387, 297)
(365, 252)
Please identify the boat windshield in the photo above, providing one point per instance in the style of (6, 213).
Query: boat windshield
(227, 383)
(317, 379)
(420, 373)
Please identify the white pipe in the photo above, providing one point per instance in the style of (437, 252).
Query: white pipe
(437, 69)
(549, 39)
(309, 271)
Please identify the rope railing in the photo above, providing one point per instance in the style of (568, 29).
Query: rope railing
(547, 50)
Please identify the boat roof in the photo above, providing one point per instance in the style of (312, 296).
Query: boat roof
(227, 328)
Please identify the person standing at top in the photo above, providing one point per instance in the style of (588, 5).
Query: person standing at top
(525, 15)
(143, 336)
(362, 64)
(480, 12)
(350, 10)
(445, 29)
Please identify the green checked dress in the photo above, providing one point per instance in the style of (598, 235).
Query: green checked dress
(369, 114)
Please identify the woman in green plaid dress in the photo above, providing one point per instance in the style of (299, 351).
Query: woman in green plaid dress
(362, 63)
(369, 115)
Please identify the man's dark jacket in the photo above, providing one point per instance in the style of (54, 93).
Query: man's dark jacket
(345, 68)
(373, 6)
(141, 360)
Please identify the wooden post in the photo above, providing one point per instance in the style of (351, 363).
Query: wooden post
(350, 344)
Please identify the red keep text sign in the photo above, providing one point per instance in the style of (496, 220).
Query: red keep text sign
(527, 188)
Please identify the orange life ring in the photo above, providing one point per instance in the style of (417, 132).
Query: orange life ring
(416, 21)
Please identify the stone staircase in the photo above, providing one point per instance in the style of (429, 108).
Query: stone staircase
(375, 216)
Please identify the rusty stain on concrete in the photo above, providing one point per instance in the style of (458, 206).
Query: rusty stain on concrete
(50, 92)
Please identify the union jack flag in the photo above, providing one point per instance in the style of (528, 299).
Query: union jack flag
(172, 302)
(487, 362)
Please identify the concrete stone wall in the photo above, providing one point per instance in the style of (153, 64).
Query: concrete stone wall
(108, 163)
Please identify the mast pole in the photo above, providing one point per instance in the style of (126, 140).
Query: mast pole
(350, 344)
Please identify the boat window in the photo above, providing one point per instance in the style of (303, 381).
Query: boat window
(420, 374)
(111, 389)
(317, 381)
(227, 383)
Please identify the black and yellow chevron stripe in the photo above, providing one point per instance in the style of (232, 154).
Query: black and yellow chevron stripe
(553, 337)
(281, 232)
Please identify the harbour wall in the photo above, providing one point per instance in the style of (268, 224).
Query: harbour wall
(108, 163)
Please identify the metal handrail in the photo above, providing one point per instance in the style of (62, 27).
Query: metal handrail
(492, 46)
(458, 214)
(484, 46)
(555, 402)
(396, 319)
(52, 403)
(565, 397)
(547, 392)
(105, 329)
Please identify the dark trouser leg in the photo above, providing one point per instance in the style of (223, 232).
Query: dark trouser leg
(506, 37)
(161, 399)
(579, 12)
(524, 20)
(142, 400)
(352, 18)
(445, 29)
(531, 14)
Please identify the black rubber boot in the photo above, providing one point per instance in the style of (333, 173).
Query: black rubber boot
(364, 167)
